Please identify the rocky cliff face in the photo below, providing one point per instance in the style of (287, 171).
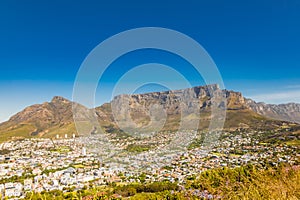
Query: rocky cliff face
(191, 99)
(163, 110)
(287, 112)
(180, 108)
(196, 104)
(166, 109)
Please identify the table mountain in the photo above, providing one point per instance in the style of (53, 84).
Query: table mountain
(167, 110)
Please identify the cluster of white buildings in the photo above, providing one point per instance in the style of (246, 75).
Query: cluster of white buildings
(45, 165)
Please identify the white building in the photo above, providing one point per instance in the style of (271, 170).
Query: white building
(83, 151)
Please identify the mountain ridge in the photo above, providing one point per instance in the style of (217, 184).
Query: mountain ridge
(289, 111)
(56, 117)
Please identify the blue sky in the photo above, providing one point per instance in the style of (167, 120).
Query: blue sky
(255, 44)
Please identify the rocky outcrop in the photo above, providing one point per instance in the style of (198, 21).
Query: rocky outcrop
(287, 112)
(191, 99)
(164, 110)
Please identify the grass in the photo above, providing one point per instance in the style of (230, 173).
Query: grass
(137, 148)
(62, 149)
(78, 166)
(249, 182)
(236, 117)
(20, 131)
(68, 129)
(218, 154)
(293, 142)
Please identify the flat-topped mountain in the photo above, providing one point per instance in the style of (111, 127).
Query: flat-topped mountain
(193, 105)
(166, 110)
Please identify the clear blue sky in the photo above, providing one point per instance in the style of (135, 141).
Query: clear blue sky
(255, 44)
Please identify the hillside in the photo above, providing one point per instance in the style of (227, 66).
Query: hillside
(185, 108)
(167, 111)
(40, 119)
(247, 182)
(288, 112)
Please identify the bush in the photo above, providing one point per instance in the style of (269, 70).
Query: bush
(249, 182)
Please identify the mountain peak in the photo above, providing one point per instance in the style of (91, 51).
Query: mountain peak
(59, 99)
(211, 86)
(51, 118)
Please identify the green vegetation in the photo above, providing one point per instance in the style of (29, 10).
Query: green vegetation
(48, 171)
(117, 132)
(236, 117)
(132, 189)
(16, 178)
(68, 129)
(15, 132)
(61, 149)
(30, 130)
(248, 182)
(4, 151)
(78, 166)
(137, 148)
(197, 142)
(293, 142)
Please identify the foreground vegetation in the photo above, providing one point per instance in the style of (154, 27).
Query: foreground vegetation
(248, 182)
